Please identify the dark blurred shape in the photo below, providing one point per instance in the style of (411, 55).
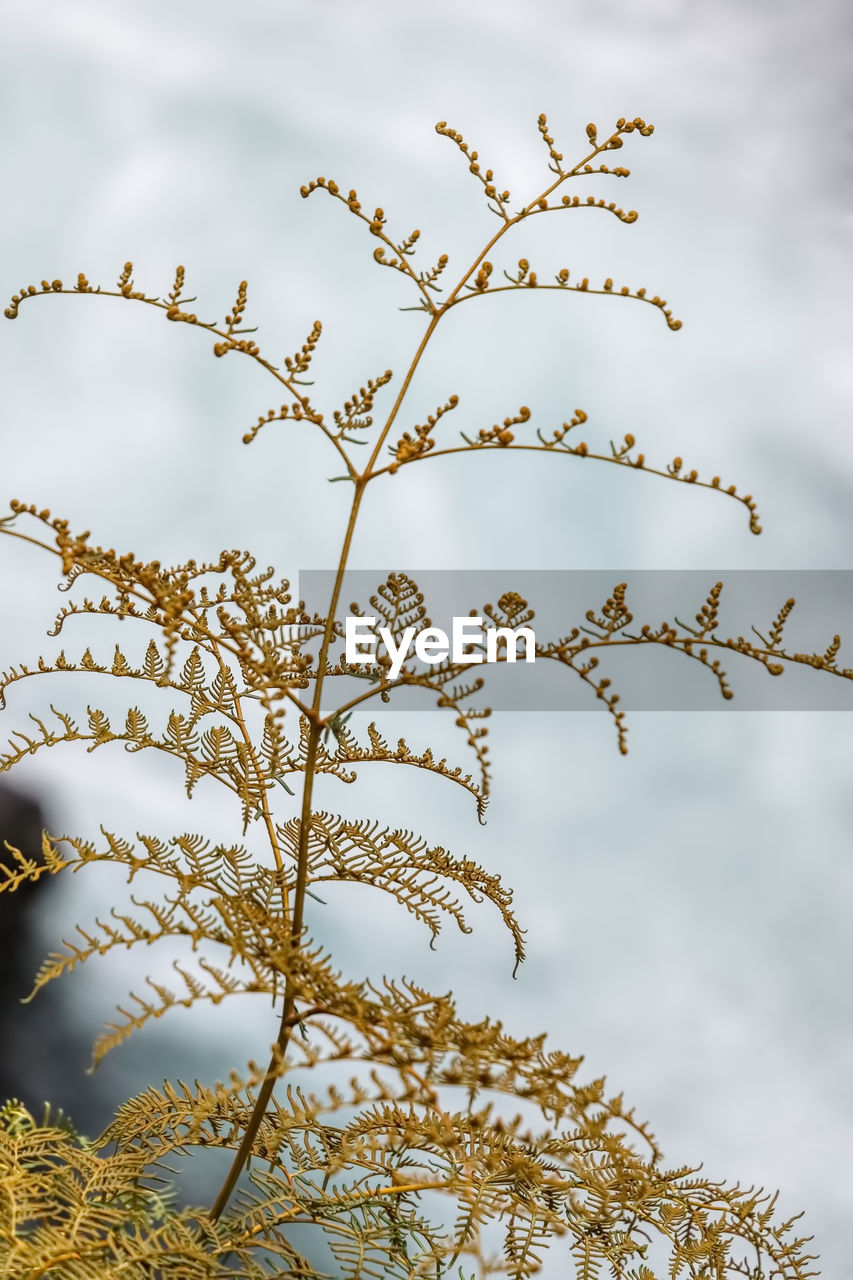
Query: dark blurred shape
(45, 1045)
(22, 820)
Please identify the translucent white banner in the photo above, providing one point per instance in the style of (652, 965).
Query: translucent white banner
(777, 637)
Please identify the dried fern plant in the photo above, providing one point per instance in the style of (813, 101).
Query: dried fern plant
(430, 1106)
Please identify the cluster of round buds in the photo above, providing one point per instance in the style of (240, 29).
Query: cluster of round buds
(621, 455)
(377, 222)
(638, 123)
(707, 615)
(295, 411)
(357, 409)
(263, 419)
(639, 461)
(48, 286)
(12, 310)
(575, 202)
(674, 469)
(410, 447)
(245, 345)
(300, 362)
(556, 156)
(512, 604)
(29, 508)
(125, 284)
(442, 127)
(482, 279)
(492, 191)
(746, 498)
(333, 189)
(502, 435)
(562, 279)
(580, 417)
(779, 624)
(236, 316)
(173, 311)
(429, 278)
(487, 178)
(524, 276)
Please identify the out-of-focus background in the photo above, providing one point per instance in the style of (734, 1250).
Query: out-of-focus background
(688, 906)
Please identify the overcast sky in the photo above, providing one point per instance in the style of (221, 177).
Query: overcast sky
(688, 906)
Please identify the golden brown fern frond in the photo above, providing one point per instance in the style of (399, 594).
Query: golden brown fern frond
(588, 1181)
(402, 864)
(68, 1211)
(430, 1109)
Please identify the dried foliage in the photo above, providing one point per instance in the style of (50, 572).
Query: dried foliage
(430, 1105)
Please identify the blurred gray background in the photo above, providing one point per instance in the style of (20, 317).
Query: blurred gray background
(688, 906)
